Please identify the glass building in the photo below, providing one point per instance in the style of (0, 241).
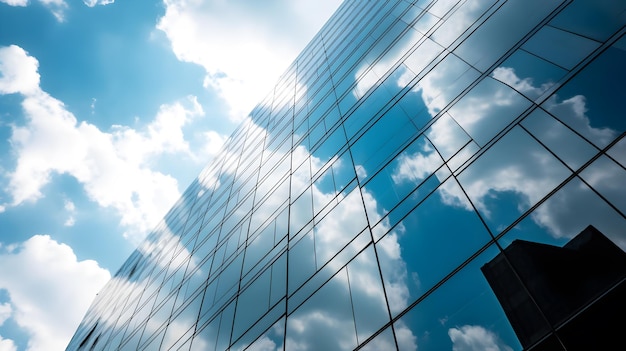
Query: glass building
(362, 203)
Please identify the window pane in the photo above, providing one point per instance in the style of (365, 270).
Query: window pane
(595, 110)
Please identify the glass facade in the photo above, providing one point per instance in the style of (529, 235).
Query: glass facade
(407, 147)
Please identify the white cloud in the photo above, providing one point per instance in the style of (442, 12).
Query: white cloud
(576, 206)
(114, 168)
(57, 7)
(417, 166)
(5, 312)
(92, 3)
(332, 233)
(370, 74)
(7, 345)
(213, 143)
(19, 71)
(335, 230)
(243, 46)
(361, 172)
(122, 287)
(111, 166)
(15, 2)
(475, 338)
(405, 337)
(69, 206)
(263, 344)
(428, 50)
(171, 244)
(507, 75)
(71, 209)
(495, 172)
(573, 111)
(49, 289)
(487, 109)
(163, 135)
(395, 272)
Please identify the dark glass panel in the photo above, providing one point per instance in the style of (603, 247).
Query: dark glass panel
(252, 303)
(462, 314)
(258, 247)
(530, 75)
(596, 19)
(419, 192)
(429, 243)
(278, 289)
(391, 131)
(460, 20)
(592, 109)
(562, 48)
(501, 31)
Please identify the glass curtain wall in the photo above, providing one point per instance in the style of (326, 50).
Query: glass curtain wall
(408, 146)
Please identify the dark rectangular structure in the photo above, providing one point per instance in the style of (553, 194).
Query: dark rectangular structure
(575, 292)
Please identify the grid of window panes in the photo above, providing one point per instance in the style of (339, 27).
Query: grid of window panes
(407, 145)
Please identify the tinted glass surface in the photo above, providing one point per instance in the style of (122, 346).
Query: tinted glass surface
(409, 145)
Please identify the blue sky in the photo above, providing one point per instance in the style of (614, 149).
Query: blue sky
(107, 111)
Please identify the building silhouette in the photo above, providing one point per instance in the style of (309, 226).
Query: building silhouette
(575, 292)
(407, 145)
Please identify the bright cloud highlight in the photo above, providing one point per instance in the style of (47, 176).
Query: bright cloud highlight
(49, 290)
(15, 2)
(57, 7)
(113, 167)
(243, 47)
(475, 338)
(92, 3)
(7, 345)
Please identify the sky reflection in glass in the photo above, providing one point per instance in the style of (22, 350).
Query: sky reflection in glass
(404, 149)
